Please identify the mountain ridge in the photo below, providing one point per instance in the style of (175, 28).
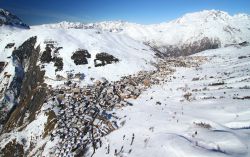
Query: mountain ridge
(178, 33)
(122, 22)
(9, 19)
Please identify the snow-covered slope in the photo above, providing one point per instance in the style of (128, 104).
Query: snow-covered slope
(202, 111)
(38, 61)
(209, 29)
(7, 18)
(105, 89)
(131, 53)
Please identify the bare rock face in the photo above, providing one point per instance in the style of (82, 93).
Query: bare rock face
(187, 49)
(27, 84)
(104, 58)
(12, 149)
(29, 93)
(58, 63)
(52, 50)
(46, 56)
(2, 64)
(25, 50)
(80, 57)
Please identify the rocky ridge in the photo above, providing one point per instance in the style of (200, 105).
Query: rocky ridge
(9, 19)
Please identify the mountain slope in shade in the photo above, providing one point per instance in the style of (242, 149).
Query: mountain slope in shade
(9, 19)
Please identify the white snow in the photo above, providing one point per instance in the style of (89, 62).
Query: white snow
(133, 55)
(169, 129)
(32, 133)
(214, 24)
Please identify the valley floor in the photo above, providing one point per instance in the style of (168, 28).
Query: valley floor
(202, 111)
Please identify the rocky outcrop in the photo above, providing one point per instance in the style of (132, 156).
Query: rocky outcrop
(80, 57)
(25, 51)
(46, 55)
(27, 84)
(29, 92)
(12, 149)
(58, 63)
(2, 64)
(104, 58)
(52, 50)
(9, 45)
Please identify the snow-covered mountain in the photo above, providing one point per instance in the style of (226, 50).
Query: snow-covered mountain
(118, 89)
(7, 18)
(192, 33)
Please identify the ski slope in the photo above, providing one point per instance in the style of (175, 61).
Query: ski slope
(213, 121)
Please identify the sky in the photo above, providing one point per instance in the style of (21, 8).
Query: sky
(34, 12)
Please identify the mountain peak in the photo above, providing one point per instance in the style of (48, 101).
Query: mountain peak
(7, 18)
(205, 15)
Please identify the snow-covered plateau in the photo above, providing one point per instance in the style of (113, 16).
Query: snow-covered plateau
(179, 88)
